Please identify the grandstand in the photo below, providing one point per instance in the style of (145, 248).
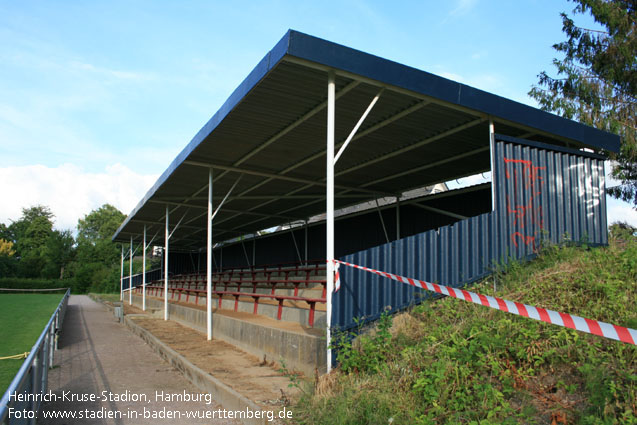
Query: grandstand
(317, 127)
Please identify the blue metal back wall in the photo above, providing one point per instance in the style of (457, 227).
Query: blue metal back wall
(151, 275)
(544, 194)
(541, 194)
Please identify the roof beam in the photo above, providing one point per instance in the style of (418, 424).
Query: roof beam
(363, 133)
(391, 154)
(439, 211)
(416, 145)
(318, 108)
(225, 209)
(274, 176)
(258, 197)
(435, 164)
(427, 166)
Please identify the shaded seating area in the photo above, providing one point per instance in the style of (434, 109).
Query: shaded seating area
(300, 285)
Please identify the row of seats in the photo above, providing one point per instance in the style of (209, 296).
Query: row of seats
(278, 283)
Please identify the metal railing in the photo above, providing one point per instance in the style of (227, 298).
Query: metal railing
(32, 378)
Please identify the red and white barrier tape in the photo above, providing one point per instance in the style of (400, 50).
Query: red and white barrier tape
(595, 327)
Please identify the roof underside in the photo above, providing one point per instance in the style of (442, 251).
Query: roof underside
(271, 134)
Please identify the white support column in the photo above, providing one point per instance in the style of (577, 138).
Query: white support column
(209, 260)
(305, 242)
(492, 150)
(492, 153)
(329, 255)
(121, 277)
(397, 217)
(130, 273)
(144, 272)
(166, 268)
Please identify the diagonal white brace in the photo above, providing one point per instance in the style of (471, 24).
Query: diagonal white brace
(358, 124)
(153, 238)
(225, 197)
(177, 226)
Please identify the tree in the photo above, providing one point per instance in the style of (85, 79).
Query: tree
(94, 233)
(97, 259)
(596, 81)
(7, 259)
(59, 250)
(30, 234)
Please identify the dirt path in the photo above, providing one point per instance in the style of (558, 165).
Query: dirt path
(99, 356)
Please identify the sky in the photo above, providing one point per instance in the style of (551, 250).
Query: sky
(97, 98)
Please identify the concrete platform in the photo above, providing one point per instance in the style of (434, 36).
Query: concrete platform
(303, 349)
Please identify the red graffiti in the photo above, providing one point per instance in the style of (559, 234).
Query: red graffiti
(525, 239)
(527, 187)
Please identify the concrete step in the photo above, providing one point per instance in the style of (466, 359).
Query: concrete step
(302, 349)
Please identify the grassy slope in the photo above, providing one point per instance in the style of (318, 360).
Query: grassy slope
(450, 361)
(22, 320)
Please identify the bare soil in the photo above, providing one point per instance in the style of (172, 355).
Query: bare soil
(260, 380)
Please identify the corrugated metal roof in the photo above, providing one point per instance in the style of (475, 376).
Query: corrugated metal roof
(424, 130)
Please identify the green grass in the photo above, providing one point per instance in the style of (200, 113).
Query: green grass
(22, 320)
(453, 362)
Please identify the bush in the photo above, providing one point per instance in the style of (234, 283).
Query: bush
(25, 283)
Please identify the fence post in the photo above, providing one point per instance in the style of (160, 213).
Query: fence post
(35, 384)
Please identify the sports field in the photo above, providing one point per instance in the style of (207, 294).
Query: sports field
(22, 319)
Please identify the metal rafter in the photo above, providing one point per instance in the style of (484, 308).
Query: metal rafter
(225, 210)
(413, 146)
(259, 197)
(425, 167)
(274, 176)
(318, 108)
(322, 198)
(363, 133)
(400, 151)
(439, 211)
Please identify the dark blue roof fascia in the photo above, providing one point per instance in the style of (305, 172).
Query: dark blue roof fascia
(336, 56)
(263, 67)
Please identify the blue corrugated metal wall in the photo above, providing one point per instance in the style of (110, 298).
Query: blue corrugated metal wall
(151, 275)
(542, 194)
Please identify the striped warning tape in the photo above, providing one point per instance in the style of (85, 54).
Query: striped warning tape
(594, 327)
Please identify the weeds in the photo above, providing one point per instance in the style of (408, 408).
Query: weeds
(363, 352)
(448, 361)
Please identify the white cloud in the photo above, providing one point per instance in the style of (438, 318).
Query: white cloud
(70, 191)
(620, 211)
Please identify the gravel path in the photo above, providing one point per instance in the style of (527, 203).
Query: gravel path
(103, 369)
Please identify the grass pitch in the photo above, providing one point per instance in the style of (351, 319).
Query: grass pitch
(22, 320)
